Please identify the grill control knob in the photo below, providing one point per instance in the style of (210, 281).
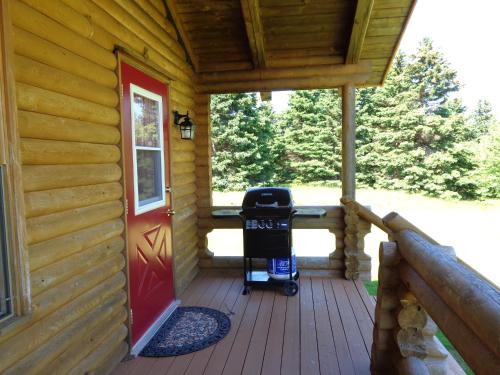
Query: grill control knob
(269, 224)
(262, 224)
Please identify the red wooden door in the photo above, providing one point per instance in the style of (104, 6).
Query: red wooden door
(147, 179)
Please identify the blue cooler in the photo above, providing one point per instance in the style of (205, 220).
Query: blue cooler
(278, 268)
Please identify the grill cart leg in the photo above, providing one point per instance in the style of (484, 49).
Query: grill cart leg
(245, 280)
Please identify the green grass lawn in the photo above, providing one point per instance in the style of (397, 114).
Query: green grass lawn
(372, 286)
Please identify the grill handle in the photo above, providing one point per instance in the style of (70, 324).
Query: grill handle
(270, 205)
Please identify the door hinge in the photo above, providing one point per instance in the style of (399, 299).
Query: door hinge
(121, 90)
(131, 317)
(126, 206)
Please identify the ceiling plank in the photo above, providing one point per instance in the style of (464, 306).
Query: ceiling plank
(180, 29)
(359, 28)
(255, 32)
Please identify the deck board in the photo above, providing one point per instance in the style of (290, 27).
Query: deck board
(207, 298)
(325, 329)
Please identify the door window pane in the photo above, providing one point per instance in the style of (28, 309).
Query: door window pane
(147, 130)
(147, 121)
(149, 176)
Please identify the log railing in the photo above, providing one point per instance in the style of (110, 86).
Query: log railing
(420, 280)
(334, 222)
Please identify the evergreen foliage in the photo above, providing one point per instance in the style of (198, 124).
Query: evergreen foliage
(242, 142)
(412, 134)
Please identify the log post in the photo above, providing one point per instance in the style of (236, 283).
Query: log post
(357, 263)
(348, 141)
(203, 163)
(404, 334)
(416, 338)
(384, 347)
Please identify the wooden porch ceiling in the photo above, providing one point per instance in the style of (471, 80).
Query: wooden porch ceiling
(255, 35)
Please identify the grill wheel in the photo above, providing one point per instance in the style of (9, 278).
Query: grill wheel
(290, 288)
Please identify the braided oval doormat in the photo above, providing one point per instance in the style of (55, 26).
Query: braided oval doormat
(188, 330)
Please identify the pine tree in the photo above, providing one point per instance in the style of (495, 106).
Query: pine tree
(241, 134)
(310, 128)
(411, 134)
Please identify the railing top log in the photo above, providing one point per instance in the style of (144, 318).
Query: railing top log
(465, 305)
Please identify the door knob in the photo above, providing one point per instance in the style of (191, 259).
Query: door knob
(170, 212)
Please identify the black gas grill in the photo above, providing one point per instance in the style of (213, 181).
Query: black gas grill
(267, 233)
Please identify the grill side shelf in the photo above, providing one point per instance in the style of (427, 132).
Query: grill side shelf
(313, 213)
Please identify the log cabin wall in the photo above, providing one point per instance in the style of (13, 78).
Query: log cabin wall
(69, 124)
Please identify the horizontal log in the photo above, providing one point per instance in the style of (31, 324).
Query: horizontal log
(87, 343)
(182, 168)
(183, 156)
(155, 14)
(79, 350)
(38, 49)
(474, 300)
(52, 299)
(131, 20)
(109, 16)
(183, 179)
(35, 177)
(56, 273)
(46, 227)
(35, 99)
(46, 77)
(34, 336)
(142, 12)
(48, 252)
(187, 189)
(39, 152)
(477, 355)
(104, 361)
(63, 14)
(182, 145)
(40, 126)
(308, 83)
(38, 359)
(74, 21)
(397, 223)
(185, 214)
(29, 19)
(49, 201)
(288, 73)
(185, 201)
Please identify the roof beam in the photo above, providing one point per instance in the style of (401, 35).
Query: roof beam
(317, 77)
(358, 33)
(255, 31)
(172, 9)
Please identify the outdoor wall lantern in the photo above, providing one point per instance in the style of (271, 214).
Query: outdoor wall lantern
(186, 126)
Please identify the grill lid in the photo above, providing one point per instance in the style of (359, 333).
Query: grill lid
(268, 198)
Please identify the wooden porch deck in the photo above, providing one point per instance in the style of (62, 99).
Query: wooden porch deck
(325, 329)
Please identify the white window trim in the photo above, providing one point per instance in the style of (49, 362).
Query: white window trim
(134, 89)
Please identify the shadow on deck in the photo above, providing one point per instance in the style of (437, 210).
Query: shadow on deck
(325, 329)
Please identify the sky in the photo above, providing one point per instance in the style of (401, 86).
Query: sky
(468, 33)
